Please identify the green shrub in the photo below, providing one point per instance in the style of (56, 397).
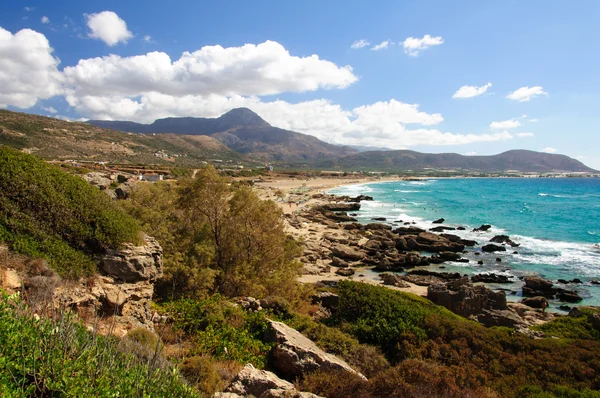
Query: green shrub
(46, 212)
(200, 371)
(43, 357)
(573, 327)
(221, 330)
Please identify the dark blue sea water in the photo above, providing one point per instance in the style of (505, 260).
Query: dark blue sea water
(556, 221)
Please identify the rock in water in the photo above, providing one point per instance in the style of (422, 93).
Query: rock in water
(294, 355)
(438, 221)
(493, 248)
(504, 239)
(483, 228)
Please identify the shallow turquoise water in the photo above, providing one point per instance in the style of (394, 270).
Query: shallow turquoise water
(556, 221)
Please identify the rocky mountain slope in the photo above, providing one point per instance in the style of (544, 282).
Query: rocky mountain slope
(518, 160)
(245, 132)
(51, 138)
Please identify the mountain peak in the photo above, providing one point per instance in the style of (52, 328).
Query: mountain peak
(243, 117)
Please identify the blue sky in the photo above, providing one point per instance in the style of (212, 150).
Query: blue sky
(400, 96)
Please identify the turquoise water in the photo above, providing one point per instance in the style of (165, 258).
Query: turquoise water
(556, 221)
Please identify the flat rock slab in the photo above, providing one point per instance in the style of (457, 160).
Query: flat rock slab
(295, 355)
(251, 381)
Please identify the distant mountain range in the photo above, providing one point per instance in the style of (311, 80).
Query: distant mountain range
(517, 160)
(241, 136)
(245, 132)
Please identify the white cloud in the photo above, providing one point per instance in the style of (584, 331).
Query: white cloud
(524, 94)
(49, 109)
(523, 116)
(504, 125)
(148, 39)
(108, 27)
(549, 150)
(526, 134)
(471, 91)
(413, 46)
(45, 19)
(533, 120)
(471, 154)
(263, 69)
(360, 44)
(381, 46)
(28, 71)
(29, 9)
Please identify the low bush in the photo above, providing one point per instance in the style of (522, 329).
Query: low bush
(573, 327)
(44, 357)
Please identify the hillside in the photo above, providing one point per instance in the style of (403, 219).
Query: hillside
(245, 132)
(518, 160)
(51, 138)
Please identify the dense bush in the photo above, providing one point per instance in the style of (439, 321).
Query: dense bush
(456, 355)
(573, 327)
(43, 357)
(221, 330)
(217, 237)
(46, 212)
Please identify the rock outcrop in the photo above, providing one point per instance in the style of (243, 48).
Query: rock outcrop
(251, 381)
(99, 180)
(134, 263)
(295, 355)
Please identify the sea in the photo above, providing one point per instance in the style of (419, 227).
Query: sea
(556, 221)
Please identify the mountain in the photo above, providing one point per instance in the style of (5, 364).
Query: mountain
(367, 148)
(243, 131)
(518, 160)
(52, 138)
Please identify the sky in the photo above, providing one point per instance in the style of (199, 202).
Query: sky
(470, 77)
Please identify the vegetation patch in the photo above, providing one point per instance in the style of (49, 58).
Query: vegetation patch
(46, 212)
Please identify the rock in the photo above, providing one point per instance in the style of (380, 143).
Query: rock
(535, 302)
(339, 207)
(504, 239)
(438, 221)
(464, 299)
(294, 355)
(338, 262)
(287, 394)
(483, 228)
(134, 263)
(595, 282)
(490, 248)
(449, 256)
(460, 228)
(498, 260)
(480, 262)
(447, 276)
(595, 320)
(379, 219)
(251, 381)
(490, 278)
(393, 280)
(248, 303)
(345, 272)
(327, 300)
(441, 229)
(10, 279)
(507, 318)
(346, 253)
(124, 190)
(98, 180)
(538, 283)
(377, 226)
(568, 296)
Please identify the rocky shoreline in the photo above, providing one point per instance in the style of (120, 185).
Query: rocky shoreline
(403, 257)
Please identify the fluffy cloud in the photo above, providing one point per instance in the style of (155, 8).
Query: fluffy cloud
(263, 69)
(549, 150)
(147, 39)
(49, 109)
(524, 94)
(526, 134)
(413, 45)
(505, 125)
(360, 44)
(28, 71)
(471, 91)
(533, 120)
(45, 19)
(108, 27)
(381, 46)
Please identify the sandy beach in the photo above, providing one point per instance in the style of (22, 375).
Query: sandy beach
(295, 197)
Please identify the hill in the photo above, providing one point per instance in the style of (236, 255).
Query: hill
(245, 132)
(51, 138)
(517, 160)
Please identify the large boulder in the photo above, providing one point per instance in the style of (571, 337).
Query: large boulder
(490, 248)
(253, 382)
(346, 253)
(505, 318)
(535, 302)
(490, 278)
(464, 299)
(393, 280)
(134, 263)
(294, 355)
(536, 286)
(339, 207)
(98, 180)
(504, 239)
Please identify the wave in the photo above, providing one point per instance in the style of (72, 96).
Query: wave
(407, 191)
